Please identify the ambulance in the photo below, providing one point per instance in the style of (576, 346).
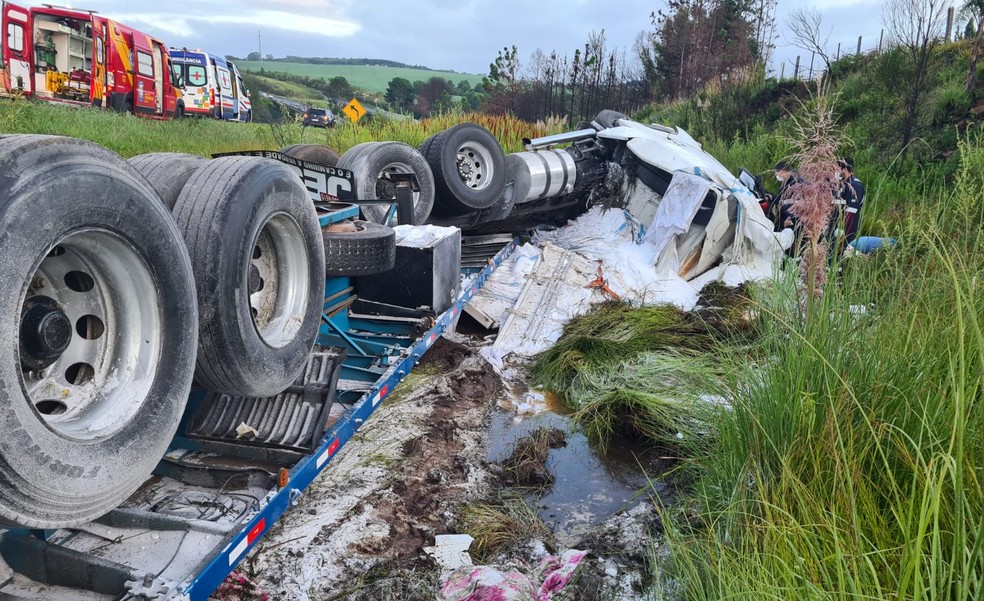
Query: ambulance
(211, 85)
(78, 57)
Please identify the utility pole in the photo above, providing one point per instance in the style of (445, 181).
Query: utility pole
(259, 45)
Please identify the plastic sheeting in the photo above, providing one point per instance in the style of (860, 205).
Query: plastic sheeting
(485, 583)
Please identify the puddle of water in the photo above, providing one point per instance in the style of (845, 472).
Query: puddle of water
(589, 487)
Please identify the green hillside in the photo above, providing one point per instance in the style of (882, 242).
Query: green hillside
(373, 78)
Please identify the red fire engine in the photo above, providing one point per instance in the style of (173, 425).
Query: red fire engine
(71, 56)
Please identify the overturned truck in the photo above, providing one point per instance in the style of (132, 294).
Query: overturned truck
(193, 340)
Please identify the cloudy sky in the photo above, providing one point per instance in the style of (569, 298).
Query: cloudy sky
(460, 35)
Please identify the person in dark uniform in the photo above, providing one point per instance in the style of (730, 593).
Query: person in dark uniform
(778, 210)
(852, 195)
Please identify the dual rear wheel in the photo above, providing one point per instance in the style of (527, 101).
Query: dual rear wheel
(119, 300)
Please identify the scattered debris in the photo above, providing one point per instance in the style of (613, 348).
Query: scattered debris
(450, 551)
(485, 582)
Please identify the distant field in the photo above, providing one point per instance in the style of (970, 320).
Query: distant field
(366, 77)
(285, 88)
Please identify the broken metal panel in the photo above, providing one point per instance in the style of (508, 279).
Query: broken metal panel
(554, 293)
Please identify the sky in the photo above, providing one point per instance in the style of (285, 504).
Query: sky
(459, 35)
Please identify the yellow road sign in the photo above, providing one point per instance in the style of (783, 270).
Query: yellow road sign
(354, 110)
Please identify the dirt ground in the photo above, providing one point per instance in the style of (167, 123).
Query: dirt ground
(359, 532)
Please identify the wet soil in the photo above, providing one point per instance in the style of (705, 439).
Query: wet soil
(359, 531)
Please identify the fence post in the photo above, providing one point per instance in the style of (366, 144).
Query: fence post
(838, 52)
(949, 23)
(880, 37)
(858, 53)
(782, 70)
(812, 56)
(796, 70)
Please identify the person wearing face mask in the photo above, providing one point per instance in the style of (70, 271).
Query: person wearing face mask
(778, 210)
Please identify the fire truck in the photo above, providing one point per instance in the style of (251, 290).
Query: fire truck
(78, 57)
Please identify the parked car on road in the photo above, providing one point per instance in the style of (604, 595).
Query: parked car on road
(316, 117)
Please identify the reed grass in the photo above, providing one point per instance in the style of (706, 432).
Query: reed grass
(851, 463)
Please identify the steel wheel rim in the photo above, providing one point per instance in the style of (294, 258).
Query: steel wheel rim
(474, 164)
(107, 294)
(386, 190)
(278, 281)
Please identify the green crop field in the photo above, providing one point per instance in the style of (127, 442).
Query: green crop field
(372, 78)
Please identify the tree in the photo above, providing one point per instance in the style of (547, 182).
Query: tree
(339, 88)
(765, 29)
(400, 93)
(806, 32)
(917, 27)
(253, 56)
(975, 8)
(430, 94)
(502, 83)
(696, 42)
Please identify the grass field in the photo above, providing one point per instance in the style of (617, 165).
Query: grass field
(371, 78)
(129, 135)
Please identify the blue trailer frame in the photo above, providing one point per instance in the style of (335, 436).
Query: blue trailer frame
(302, 474)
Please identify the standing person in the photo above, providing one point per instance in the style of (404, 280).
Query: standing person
(849, 202)
(779, 209)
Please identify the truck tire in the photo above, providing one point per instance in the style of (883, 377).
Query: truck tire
(313, 153)
(100, 311)
(255, 246)
(358, 248)
(606, 119)
(468, 166)
(371, 161)
(167, 172)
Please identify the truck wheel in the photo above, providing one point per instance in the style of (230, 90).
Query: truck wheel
(372, 161)
(469, 168)
(167, 172)
(606, 119)
(100, 313)
(313, 153)
(358, 248)
(255, 245)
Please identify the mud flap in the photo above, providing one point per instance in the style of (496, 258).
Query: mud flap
(295, 419)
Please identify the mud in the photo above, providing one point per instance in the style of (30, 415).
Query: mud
(360, 530)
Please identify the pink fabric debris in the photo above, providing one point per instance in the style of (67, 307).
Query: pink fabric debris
(486, 583)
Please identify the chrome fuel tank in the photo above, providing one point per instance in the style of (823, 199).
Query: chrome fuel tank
(540, 174)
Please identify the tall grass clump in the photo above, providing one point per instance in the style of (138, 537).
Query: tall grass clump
(644, 373)
(850, 465)
(508, 130)
(613, 332)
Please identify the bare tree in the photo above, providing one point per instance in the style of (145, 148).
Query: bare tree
(917, 27)
(806, 32)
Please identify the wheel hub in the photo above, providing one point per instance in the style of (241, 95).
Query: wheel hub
(465, 168)
(45, 332)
